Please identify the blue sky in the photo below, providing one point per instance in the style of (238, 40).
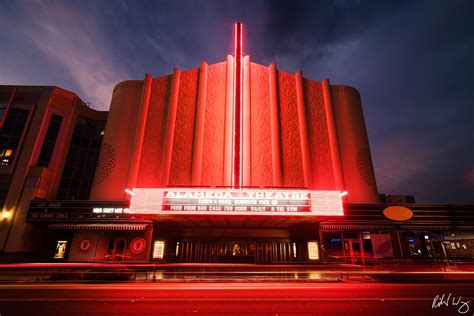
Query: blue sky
(412, 62)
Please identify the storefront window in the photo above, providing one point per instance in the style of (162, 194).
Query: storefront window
(415, 242)
(332, 245)
(426, 244)
(367, 243)
(381, 245)
(459, 245)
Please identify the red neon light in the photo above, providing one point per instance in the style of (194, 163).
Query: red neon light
(171, 201)
(237, 122)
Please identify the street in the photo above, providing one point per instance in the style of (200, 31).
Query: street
(251, 298)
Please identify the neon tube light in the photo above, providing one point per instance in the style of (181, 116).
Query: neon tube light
(237, 110)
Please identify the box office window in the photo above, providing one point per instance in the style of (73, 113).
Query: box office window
(50, 140)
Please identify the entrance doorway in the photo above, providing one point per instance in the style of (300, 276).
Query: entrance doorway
(236, 252)
(354, 251)
(276, 252)
(116, 249)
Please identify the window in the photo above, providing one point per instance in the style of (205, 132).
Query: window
(81, 160)
(10, 134)
(5, 103)
(3, 110)
(4, 187)
(50, 140)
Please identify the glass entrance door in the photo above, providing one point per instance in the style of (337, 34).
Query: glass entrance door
(355, 251)
(236, 251)
(116, 249)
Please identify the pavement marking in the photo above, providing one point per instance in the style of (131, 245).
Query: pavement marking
(216, 286)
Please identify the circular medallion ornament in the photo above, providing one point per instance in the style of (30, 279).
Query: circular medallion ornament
(85, 244)
(137, 245)
(398, 213)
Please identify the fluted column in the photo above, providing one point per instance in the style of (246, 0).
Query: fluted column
(199, 126)
(303, 124)
(275, 126)
(170, 127)
(139, 132)
(333, 139)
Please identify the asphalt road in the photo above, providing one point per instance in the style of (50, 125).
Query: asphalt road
(287, 298)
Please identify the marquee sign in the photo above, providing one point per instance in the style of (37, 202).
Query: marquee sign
(169, 201)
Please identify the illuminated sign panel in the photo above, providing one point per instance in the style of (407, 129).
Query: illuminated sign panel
(158, 249)
(61, 247)
(313, 251)
(236, 202)
(109, 210)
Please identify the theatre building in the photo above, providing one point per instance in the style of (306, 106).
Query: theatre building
(230, 162)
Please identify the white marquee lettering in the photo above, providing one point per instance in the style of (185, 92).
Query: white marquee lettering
(230, 201)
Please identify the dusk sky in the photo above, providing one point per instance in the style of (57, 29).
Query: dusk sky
(412, 62)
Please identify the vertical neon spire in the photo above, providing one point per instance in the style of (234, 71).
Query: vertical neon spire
(238, 115)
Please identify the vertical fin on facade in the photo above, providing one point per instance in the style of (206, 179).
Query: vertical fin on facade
(333, 139)
(246, 163)
(275, 126)
(170, 127)
(199, 125)
(303, 124)
(139, 132)
(228, 121)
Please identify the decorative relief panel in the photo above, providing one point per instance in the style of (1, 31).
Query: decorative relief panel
(364, 166)
(106, 163)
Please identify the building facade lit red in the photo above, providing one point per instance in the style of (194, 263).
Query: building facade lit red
(228, 162)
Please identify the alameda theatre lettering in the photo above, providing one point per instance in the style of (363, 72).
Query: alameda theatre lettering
(231, 194)
(235, 202)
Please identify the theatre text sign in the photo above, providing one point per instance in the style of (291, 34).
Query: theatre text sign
(235, 202)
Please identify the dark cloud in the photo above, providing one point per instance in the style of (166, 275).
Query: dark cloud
(412, 61)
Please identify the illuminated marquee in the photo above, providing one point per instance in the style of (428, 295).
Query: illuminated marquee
(235, 202)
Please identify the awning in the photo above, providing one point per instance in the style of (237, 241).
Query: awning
(103, 226)
(356, 227)
(437, 228)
